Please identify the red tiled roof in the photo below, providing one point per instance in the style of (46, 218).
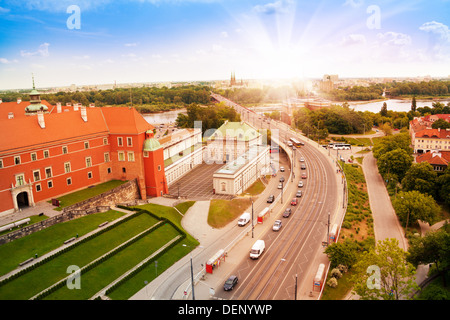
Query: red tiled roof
(437, 133)
(440, 158)
(24, 132)
(125, 120)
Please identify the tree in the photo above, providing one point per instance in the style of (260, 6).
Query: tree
(395, 162)
(411, 206)
(345, 253)
(383, 110)
(441, 123)
(413, 104)
(389, 143)
(384, 273)
(443, 185)
(420, 177)
(433, 248)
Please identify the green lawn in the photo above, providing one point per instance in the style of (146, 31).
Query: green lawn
(221, 212)
(99, 277)
(78, 196)
(44, 241)
(92, 281)
(40, 278)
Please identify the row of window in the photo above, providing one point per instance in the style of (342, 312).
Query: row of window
(38, 186)
(65, 150)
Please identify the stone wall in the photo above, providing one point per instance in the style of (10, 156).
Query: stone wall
(126, 192)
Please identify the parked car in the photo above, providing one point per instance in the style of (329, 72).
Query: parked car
(300, 184)
(282, 169)
(277, 225)
(294, 202)
(230, 283)
(287, 213)
(304, 176)
(271, 198)
(298, 194)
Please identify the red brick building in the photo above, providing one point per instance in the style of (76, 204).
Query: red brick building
(47, 151)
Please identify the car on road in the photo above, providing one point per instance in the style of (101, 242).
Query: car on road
(300, 184)
(294, 202)
(277, 225)
(230, 283)
(282, 169)
(282, 179)
(303, 166)
(304, 176)
(298, 194)
(287, 213)
(271, 198)
(280, 186)
(302, 159)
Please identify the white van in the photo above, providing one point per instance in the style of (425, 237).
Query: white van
(244, 219)
(257, 249)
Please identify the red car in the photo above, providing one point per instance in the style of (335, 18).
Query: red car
(294, 202)
(304, 175)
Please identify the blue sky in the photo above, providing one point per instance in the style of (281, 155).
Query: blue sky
(182, 40)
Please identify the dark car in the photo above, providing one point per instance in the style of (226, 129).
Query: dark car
(282, 179)
(271, 198)
(287, 213)
(230, 283)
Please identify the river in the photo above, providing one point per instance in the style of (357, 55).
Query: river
(375, 107)
(392, 104)
(163, 117)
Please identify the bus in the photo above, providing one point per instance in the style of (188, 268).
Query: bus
(342, 146)
(296, 143)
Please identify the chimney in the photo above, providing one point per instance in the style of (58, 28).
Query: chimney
(41, 120)
(1, 101)
(58, 107)
(75, 107)
(19, 100)
(91, 105)
(83, 114)
(10, 115)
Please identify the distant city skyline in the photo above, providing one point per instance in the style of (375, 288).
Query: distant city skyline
(66, 42)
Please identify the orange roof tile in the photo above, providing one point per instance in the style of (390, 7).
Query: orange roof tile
(24, 133)
(125, 120)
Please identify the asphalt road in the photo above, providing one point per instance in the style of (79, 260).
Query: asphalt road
(290, 253)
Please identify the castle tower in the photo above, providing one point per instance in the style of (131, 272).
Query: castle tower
(155, 177)
(35, 102)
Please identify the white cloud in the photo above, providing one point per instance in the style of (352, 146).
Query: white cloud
(437, 28)
(4, 10)
(134, 44)
(394, 38)
(42, 51)
(280, 6)
(6, 61)
(354, 3)
(224, 34)
(353, 39)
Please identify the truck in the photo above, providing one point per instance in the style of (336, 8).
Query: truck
(244, 219)
(257, 249)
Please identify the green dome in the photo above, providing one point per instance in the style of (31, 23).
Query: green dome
(151, 144)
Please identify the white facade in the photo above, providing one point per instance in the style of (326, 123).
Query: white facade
(236, 176)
